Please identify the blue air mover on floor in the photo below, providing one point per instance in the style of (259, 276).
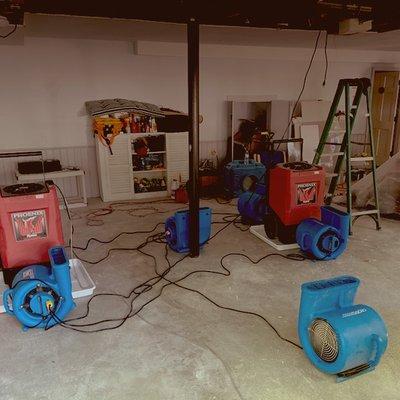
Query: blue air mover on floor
(338, 336)
(177, 229)
(252, 206)
(325, 239)
(240, 176)
(40, 297)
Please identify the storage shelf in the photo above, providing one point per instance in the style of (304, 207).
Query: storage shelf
(147, 171)
(116, 172)
(145, 195)
(150, 152)
(141, 134)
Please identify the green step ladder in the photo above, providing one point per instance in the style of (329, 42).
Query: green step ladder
(362, 86)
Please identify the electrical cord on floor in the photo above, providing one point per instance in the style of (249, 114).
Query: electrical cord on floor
(71, 225)
(226, 272)
(147, 285)
(9, 33)
(154, 238)
(94, 217)
(150, 283)
(93, 239)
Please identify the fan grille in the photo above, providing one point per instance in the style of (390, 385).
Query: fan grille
(324, 340)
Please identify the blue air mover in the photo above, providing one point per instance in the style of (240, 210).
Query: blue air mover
(325, 239)
(40, 297)
(338, 336)
(252, 206)
(177, 229)
(240, 176)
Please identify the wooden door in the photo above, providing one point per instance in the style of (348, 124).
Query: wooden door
(384, 101)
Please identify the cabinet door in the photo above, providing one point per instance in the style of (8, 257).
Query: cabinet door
(177, 146)
(116, 169)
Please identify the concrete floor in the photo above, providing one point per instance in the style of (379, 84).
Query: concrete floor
(181, 346)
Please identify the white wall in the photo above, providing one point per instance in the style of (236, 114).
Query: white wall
(45, 81)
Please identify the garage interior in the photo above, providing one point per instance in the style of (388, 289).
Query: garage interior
(199, 201)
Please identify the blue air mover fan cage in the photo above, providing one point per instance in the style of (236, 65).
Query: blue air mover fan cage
(40, 297)
(325, 239)
(177, 229)
(338, 336)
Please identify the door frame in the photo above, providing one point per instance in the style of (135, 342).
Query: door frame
(395, 139)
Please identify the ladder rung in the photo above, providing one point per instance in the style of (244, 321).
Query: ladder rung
(340, 153)
(361, 143)
(362, 159)
(333, 143)
(364, 212)
(337, 131)
(331, 175)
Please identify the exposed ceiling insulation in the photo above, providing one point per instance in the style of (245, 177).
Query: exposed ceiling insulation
(305, 14)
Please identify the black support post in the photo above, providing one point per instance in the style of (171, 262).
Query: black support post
(193, 94)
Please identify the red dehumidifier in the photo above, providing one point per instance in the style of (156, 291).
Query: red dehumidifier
(30, 223)
(296, 192)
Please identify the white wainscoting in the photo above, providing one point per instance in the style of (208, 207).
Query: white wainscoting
(83, 157)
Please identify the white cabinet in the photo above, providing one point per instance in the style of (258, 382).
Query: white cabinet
(115, 170)
(177, 146)
(120, 177)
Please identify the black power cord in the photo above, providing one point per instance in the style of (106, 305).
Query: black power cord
(149, 284)
(9, 33)
(303, 86)
(326, 58)
(226, 272)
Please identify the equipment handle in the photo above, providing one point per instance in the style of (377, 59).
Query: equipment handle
(379, 349)
(6, 294)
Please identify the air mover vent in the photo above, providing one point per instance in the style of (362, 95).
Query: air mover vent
(298, 166)
(323, 340)
(330, 283)
(23, 189)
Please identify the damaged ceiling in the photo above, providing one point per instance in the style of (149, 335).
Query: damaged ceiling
(305, 15)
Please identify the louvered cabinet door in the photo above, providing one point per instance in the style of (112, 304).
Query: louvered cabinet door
(116, 180)
(177, 146)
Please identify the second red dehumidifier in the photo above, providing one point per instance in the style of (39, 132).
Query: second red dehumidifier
(296, 192)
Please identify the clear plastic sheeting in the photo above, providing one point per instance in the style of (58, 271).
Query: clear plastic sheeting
(388, 178)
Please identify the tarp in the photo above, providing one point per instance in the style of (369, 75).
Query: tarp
(388, 178)
(110, 106)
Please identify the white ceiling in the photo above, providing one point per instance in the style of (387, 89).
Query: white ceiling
(113, 29)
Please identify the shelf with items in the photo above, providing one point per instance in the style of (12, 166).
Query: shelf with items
(151, 195)
(148, 163)
(148, 144)
(147, 184)
(146, 171)
(153, 167)
(144, 134)
(150, 152)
